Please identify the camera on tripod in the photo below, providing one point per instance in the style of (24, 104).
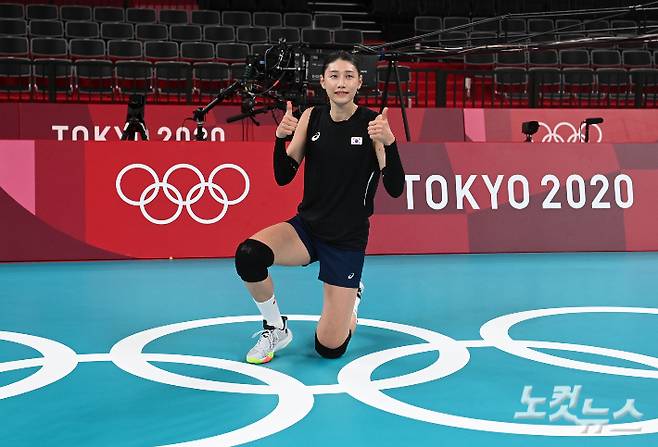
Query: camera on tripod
(135, 119)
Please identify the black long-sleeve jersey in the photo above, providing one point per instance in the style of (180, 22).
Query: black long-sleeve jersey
(341, 174)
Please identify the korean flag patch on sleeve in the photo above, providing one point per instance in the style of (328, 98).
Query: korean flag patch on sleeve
(356, 141)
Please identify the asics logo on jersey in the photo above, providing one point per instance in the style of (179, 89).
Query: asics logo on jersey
(315, 137)
(350, 276)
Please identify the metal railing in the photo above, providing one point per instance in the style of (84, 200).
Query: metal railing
(61, 81)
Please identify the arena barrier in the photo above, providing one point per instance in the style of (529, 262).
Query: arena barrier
(94, 200)
(104, 122)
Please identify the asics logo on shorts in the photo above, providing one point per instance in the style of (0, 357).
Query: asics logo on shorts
(174, 195)
(315, 137)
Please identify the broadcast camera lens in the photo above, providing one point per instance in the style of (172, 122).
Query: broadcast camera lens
(530, 127)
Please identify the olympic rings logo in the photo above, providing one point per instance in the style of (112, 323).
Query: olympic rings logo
(150, 193)
(297, 399)
(577, 134)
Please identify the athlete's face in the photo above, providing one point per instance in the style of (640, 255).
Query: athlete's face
(341, 80)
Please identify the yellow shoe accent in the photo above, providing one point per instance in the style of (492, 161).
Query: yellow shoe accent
(257, 361)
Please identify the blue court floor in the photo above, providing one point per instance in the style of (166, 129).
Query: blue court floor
(483, 350)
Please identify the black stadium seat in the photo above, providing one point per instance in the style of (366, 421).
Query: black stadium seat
(452, 22)
(544, 58)
(217, 33)
(75, 12)
(251, 34)
(636, 58)
(87, 48)
(15, 74)
(605, 58)
(160, 50)
(511, 58)
(210, 77)
(185, 33)
(46, 28)
(482, 24)
(574, 58)
(316, 36)
(140, 15)
(12, 11)
(117, 31)
(47, 47)
(108, 14)
(134, 77)
(124, 49)
(348, 36)
(328, 21)
(237, 70)
(297, 20)
(232, 52)
(510, 82)
(173, 78)
(173, 17)
(82, 30)
(14, 46)
(41, 12)
(94, 76)
(151, 31)
(197, 51)
(613, 83)
(13, 27)
(427, 24)
(260, 48)
(569, 25)
(578, 82)
(289, 34)
(236, 18)
(59, 70)
(514, 26)
(204, 17)
(267, 19)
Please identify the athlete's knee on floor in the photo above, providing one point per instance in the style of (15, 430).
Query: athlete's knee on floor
(332, 353)
(252, 259)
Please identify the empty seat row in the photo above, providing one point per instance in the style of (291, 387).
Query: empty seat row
(577, 81)
(170, 16)
(564, 58)
(217, 34)
(131, 49)
(490, 8)
(168, 77)
(180, 33)
(482, 38)
(124, 77)
(431, 23)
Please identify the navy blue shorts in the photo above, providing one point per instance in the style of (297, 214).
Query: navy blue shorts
(338, 266)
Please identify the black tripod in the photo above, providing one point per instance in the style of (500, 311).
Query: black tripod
(393, 67)
(133, 127)
(135, 119)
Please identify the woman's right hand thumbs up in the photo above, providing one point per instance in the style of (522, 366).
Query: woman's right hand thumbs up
(288, 124)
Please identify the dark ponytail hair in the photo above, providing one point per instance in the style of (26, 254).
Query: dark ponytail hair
(344, 56)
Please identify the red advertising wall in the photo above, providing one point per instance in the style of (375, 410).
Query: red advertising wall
(104, 122)
(114, 200)
(562, 125)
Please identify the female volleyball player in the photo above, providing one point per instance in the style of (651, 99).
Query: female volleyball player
(346, 148)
